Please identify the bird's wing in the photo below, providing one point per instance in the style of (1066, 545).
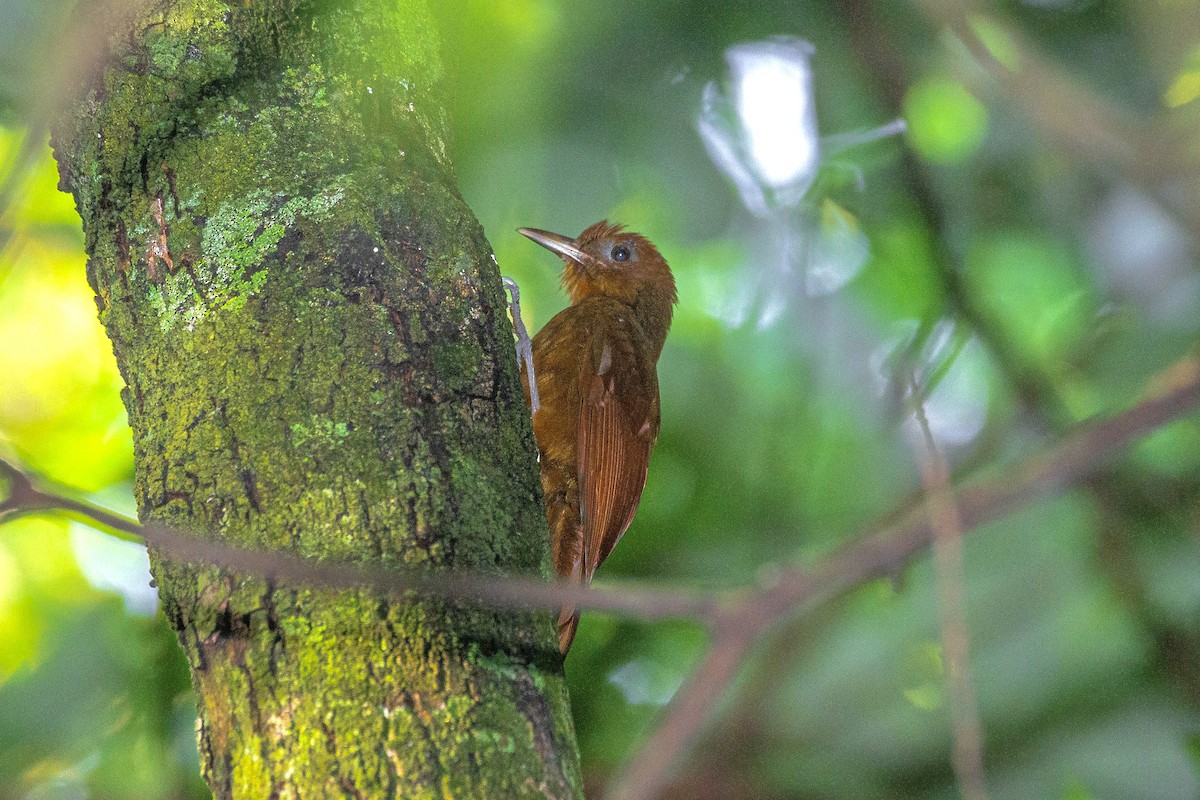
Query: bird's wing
(618, 424)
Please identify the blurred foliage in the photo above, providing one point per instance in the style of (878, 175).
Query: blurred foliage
(777, 443)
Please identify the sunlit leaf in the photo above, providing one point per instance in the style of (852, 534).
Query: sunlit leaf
(945, 122)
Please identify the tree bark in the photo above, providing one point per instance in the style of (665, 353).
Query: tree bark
(311, 328)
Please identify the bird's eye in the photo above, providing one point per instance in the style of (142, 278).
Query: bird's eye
(620, 253)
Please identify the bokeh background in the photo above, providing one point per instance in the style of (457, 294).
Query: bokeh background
(1028, 247)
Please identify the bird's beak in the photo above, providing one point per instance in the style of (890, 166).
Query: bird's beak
(557, 243)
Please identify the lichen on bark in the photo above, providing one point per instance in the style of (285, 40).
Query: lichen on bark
(317, 360)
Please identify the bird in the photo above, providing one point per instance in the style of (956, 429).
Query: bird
(595, 370)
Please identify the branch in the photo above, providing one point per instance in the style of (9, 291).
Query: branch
(645, 776)
(966, 729)
(1089, 127)
(739, 619)
(882, 551)
(492, 590)
(1174, 645)
(888, 70)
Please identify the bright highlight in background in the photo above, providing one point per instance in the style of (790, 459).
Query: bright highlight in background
(762, 130)
(773, 90)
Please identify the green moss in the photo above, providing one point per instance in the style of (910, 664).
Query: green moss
(251, 777)
(234, 247)
(319, 368)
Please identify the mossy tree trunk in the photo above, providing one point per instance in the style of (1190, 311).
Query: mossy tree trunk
(312, 331)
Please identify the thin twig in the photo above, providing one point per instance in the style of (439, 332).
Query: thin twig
(493, 590)
(948, 576)
(871, 40)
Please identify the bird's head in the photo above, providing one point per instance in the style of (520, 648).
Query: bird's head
(609, 261)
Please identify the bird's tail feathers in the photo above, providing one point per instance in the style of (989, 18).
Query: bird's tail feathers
(568, 622)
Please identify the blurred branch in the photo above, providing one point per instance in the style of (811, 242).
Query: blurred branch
(873, 47)
(688, 713)
(1074, 117)
(951, 593)
(26, 498)
(503, 592)
(1176, 648)
(881, 551)
(79, 53)
(739, 619)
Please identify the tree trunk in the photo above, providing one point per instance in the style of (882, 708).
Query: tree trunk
(311, 328)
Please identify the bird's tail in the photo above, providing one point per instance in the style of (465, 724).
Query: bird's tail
(568, 615)
(568, 622)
